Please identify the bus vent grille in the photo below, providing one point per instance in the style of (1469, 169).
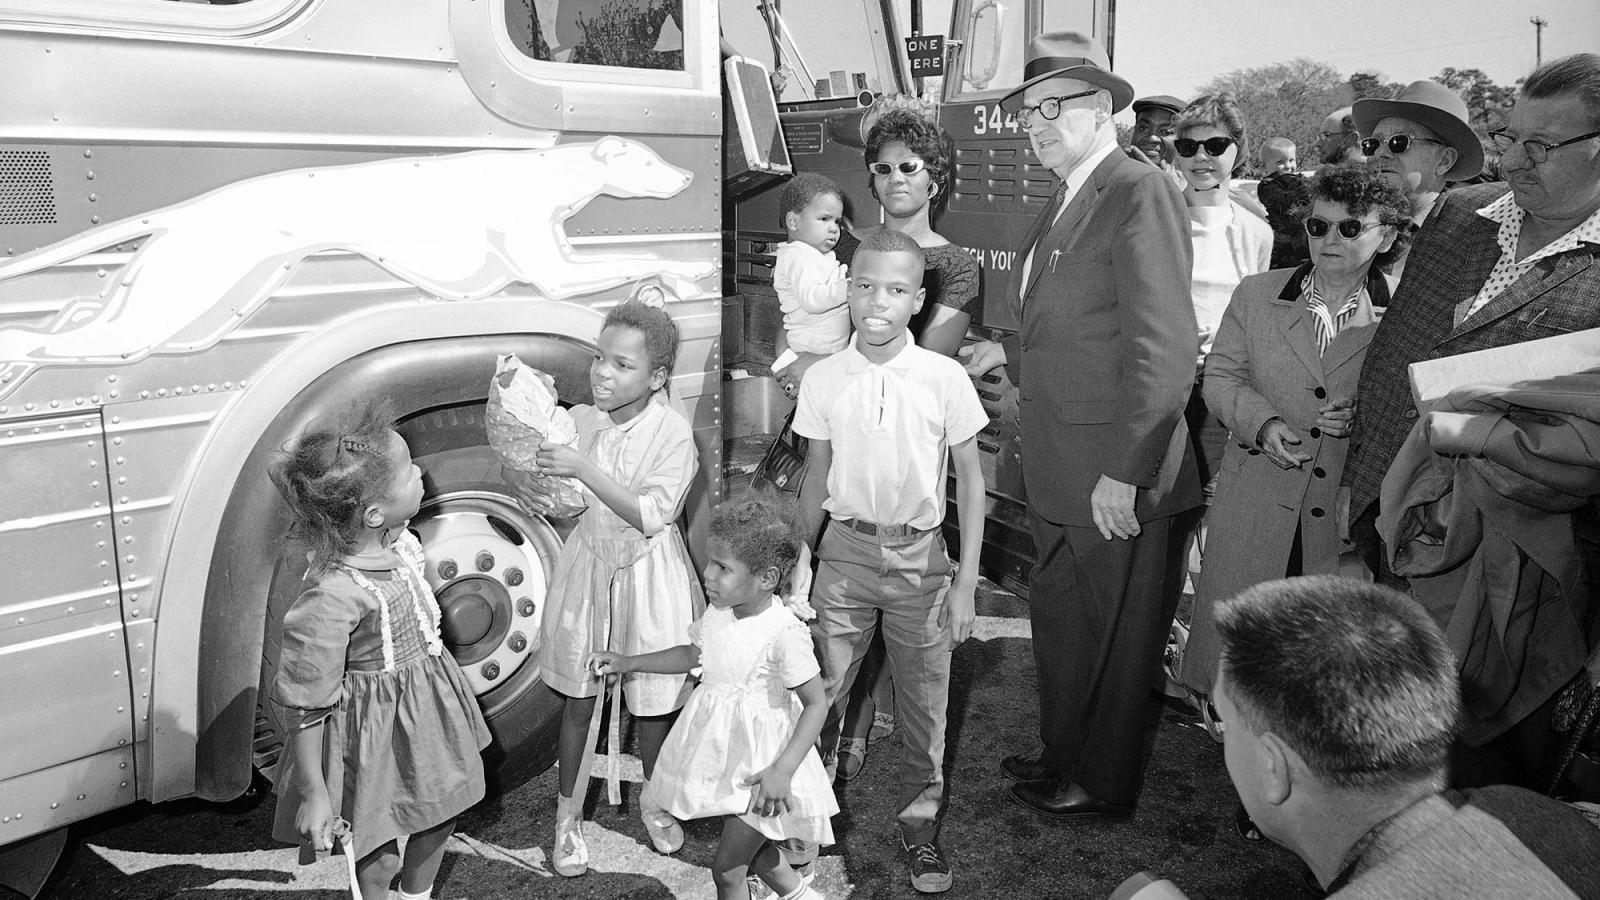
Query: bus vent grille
(27, 194)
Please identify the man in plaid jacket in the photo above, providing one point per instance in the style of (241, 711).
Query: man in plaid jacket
(1490, 267)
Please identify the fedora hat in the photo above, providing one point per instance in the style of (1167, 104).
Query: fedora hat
(1068, 54)
(1435, 107)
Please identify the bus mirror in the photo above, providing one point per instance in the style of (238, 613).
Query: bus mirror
(757, 154)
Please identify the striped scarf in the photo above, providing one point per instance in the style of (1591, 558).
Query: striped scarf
(1329, 325)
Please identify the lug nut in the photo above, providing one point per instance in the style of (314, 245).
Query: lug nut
(517, 643)
(525, 606)
(514, 576)
(491, 670)
(485, 561)
(447, 569)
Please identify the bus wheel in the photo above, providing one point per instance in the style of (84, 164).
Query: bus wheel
(489, 563)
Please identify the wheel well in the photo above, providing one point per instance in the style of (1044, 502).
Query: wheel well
(414, 378)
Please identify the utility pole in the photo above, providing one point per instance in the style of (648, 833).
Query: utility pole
(1538, 40)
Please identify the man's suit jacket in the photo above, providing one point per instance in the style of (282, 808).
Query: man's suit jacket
(1452, 257)
(1104, 360)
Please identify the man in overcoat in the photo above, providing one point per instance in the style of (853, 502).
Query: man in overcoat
(1104, 362)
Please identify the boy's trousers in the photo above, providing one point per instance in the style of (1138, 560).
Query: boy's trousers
(865, 582)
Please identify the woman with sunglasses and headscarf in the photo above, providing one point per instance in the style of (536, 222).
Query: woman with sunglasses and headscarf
(1282, 376)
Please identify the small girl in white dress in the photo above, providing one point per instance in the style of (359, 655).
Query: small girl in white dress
(744, 747)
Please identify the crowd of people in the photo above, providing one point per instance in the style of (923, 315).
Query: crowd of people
(1205, 373)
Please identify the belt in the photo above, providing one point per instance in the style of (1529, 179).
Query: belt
(886, 531)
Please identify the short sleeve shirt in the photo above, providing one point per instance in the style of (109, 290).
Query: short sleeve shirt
(891, 427)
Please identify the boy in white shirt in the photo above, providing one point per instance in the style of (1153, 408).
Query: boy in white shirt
(883, 417)
(809, 280)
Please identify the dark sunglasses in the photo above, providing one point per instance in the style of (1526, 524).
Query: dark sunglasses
(1398, 143)
(1215, 146)
(1349, 229)
(906, 167)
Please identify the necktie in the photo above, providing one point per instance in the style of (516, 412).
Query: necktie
(1041, 227)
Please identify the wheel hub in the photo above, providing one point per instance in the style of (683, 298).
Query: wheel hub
(488, 563)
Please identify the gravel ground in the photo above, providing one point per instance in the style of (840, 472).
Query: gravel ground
(1183, 828)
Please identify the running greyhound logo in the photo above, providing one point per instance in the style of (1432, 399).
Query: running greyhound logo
(459, 227)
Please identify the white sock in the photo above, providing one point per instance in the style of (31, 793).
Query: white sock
(423, 894)
(799, 893)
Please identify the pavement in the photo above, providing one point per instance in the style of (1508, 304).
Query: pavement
(1183, 829)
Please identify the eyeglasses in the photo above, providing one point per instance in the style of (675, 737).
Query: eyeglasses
(1215, 146)
(1349, 229)
(1049, 107)
(1329, 135)
(1397, 143)
(1537, 151)
(906, 167)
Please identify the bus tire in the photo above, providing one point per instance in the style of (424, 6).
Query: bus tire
(490, 563)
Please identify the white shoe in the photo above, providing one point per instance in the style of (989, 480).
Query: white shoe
(571, 855)
(666, 835)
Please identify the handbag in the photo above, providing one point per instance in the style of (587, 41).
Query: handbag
(784, 465)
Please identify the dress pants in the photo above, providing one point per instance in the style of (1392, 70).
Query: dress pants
(1101, 612)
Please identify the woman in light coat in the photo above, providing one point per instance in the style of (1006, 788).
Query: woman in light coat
(1282, 376)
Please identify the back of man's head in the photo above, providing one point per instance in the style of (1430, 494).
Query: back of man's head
(1354, 677)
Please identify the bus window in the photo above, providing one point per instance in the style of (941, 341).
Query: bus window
(828, 50)
(634, 34)
(995, 35)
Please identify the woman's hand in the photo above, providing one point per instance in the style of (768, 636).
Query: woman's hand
(603, 662)
(560, 459)
(1277, 441)
(789, 379)
(771, 794)
(1335, 418)
(314, 821)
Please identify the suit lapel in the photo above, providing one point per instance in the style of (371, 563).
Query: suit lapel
(1351, 341)
(1077, 208)
(1542, 278)
(1294, 323)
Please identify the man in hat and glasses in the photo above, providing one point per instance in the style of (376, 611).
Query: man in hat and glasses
(1104, 362)
(1418, 142)
(1494, 265)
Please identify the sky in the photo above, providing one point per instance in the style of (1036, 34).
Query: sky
(1173, 46)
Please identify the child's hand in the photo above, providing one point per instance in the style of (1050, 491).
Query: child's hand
(314, 821)
(771, 794)
(603, 662)
(528, 490)
(958, 612)
(559, 459)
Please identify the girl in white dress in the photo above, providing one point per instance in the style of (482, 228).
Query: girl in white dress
(624, 580)
(744, 746)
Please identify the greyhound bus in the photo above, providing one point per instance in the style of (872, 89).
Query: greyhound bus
(219, 220)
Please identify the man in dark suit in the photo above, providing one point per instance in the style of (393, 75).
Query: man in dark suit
(1104, 362)
(1491, 267)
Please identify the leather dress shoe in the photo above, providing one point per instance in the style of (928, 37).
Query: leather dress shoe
(1060, 798)
(1027, 768)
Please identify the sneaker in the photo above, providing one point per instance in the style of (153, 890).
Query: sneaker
(571, 856)
(852, 757)
(930, 871)
(882, 727)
